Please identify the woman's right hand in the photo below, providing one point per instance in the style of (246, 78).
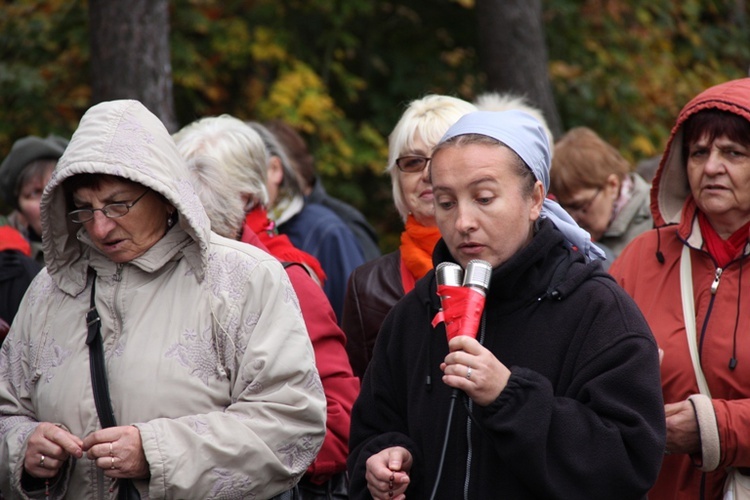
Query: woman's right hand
(683, 435)
(388, 473)
(48, 448)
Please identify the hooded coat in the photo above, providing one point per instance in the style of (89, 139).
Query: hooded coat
(649, 270)
(580, 417)
(205, 348)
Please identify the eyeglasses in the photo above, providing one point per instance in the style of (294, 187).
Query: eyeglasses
(583, 206)
(111, 211)
(412, 163)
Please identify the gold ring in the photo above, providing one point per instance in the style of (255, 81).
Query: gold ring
(111, 453)
(113, 463)
(468, 373)
(41, 462)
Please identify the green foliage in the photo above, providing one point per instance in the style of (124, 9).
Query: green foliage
(626, 68)
(342, 71)
(43, 54)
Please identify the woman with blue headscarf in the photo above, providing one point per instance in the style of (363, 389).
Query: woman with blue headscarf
(557, 396)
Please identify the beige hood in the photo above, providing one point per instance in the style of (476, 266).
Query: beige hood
(124, 139)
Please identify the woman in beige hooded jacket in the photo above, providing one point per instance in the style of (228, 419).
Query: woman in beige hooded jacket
(210, 370)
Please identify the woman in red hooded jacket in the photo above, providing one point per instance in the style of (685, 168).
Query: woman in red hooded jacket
(700, 201)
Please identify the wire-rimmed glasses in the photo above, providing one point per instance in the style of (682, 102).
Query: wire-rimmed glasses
(111, 211)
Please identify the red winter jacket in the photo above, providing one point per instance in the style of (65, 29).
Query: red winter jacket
(649, 270)
(340, 385)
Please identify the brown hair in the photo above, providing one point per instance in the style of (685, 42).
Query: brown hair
(714, 123)
(583, 160)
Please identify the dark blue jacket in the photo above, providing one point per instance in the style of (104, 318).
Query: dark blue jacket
(320, 232)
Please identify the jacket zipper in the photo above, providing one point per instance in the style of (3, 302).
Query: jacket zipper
(117, 278)
(470, 450)
(117, 326)
(714, 288)
(715, 284)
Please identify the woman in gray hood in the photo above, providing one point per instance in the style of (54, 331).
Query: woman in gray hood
(210, 371)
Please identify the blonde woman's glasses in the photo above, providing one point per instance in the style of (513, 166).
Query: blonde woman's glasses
(412, 163)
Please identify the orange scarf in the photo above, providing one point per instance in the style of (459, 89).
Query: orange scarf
(417, 244)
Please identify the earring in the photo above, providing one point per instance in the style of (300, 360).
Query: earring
(171, 219)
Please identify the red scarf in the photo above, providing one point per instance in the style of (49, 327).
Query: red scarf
(10, 239)
(723, 251)
(277, 244)
(417, 244)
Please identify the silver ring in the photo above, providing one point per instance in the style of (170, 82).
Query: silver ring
(468, 373)
(41, 462)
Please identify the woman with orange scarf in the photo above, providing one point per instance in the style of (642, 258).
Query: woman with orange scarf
(376, 286)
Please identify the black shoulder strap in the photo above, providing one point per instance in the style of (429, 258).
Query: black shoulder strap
(96, 361)
(287, 263)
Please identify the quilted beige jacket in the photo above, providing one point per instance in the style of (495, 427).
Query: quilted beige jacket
(206, 350)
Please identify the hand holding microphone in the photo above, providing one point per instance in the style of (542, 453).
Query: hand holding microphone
(470, 367)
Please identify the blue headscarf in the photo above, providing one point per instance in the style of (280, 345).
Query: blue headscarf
(525, 135)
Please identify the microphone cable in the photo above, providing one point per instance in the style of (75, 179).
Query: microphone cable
(454, 396)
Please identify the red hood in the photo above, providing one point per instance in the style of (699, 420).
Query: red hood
(11, 239)
(670, 187)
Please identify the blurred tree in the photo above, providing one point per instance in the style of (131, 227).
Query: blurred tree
(514, 55)
(625, 68)
(130, 56)
(342, 71)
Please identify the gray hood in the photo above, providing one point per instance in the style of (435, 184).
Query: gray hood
(124, 139)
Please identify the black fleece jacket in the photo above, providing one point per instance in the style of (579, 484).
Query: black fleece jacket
(581, 417)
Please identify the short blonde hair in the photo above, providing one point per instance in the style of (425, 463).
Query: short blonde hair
(428, 119)
(584, 160)
(227, 160)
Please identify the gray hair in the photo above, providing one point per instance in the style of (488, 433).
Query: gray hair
(227, 160)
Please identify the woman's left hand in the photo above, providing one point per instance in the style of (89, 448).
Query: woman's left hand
(474, 369)
(118, 451)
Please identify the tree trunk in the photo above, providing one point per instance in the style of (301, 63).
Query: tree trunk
(130, 57)
(513, 53)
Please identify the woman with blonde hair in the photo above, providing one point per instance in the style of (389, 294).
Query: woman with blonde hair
(378, 284)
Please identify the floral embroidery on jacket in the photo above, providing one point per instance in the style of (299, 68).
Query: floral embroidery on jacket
(228, 486)
(196, 353)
